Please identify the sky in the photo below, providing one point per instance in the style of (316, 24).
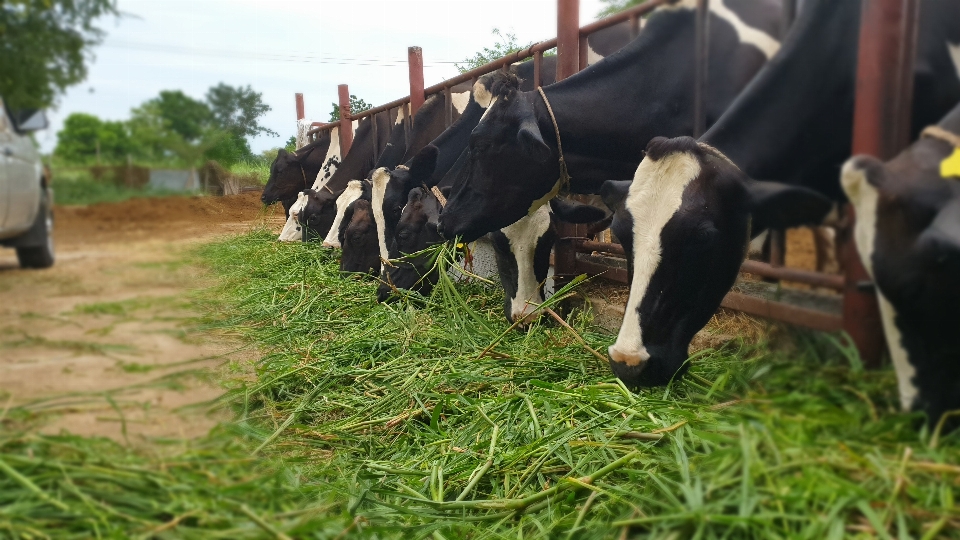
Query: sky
(283, 47)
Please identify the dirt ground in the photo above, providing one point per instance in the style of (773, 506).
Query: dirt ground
(100, 344)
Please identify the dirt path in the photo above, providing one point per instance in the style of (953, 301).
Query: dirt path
(99, 343)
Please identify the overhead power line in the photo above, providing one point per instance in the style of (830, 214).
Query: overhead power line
(275, 57)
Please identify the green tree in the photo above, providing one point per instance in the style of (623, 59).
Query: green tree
(505, 44)
(291, 145)
(238, 110)
(45, 46)
(183, 114)
(77, 142)
(357, 105)
(616, 6)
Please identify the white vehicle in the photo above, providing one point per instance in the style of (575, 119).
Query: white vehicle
(26, 200)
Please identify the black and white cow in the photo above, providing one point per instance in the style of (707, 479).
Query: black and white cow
(357, 221)
(522, 250)
(605, 114)
(308, 167)
(400, 144)
(908, 236)
(787, 125)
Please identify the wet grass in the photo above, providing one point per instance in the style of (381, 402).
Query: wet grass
(428, 418)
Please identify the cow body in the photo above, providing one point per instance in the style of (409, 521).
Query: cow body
(908, 237)
(605, 115)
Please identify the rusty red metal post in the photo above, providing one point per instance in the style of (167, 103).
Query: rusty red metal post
(568, 38)
(883, 100)
(415, 63)
(299, 100)
(346, 122)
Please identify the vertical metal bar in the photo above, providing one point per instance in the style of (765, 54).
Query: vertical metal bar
(299, 100)
(415, 64)
(778, 247)
(568, 38)
(407, 122)
(346, 123)
(635, 26)
(538, 69)
(877, 130)
(448, 99)
(701, 63)
(582, 52)
(374, 137)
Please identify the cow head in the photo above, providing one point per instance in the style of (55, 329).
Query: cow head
(523, 253)
(358, 237)
(320, 211)
(355, 189)
(286, 177)
(391, 188)
(415, 231)
(502, 174)
(908, 236)
(687, 220)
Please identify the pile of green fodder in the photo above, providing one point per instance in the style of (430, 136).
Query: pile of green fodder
(429, 417)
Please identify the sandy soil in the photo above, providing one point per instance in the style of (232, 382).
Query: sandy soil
(101, 342)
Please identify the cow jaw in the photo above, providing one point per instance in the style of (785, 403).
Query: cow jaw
(523, 237)
(291, 229)
(865, 197)
(351, 193)
(655, 196)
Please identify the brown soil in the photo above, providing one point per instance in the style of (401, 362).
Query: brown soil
(102, 342)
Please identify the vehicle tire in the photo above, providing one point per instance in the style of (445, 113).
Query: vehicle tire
(42, 255)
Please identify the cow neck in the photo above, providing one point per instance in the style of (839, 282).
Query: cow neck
(794, 121)
(360, 160)
(939, 133)
(563, 184)
(607, 113)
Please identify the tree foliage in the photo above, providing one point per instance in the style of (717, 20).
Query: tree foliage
(45, 47)
(616, 6)
(505, 44)
(172, 127)
(357, 105)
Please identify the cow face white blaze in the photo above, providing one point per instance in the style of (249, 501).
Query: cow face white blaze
(524, 236)
(291, 231)
(380, 178)
(865, 198)
(330, 162)
(655, 196)
(351, 193)
(460, 101)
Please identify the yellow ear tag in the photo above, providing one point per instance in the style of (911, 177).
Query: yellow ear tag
(951, 166)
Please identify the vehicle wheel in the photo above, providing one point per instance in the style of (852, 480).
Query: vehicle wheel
(40, 256)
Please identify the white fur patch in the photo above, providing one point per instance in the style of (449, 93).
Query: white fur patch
(592, 56)
(864, 198)
(523, 236)
(654, 197)
(401, 114)
(291, 229)
(482, 96)
(954, 51)
(747, 34)
(380, 179)
(460, 100)
(330, 162)
(352, 193)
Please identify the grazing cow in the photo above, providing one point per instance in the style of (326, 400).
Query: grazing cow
(355, 189)
(522, 250)
(908, 236)
(357, 221)
(428, 123)
(685, 224)
(391, 195)
(663, 310)
(308, 167)
(605, 114)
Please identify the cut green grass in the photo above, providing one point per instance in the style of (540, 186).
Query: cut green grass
(427, 418)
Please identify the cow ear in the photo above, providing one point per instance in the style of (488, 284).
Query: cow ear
(614, 193)
(423, 164)
(575, 212)
(941, 240)
(531, 141)
(780, 206)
